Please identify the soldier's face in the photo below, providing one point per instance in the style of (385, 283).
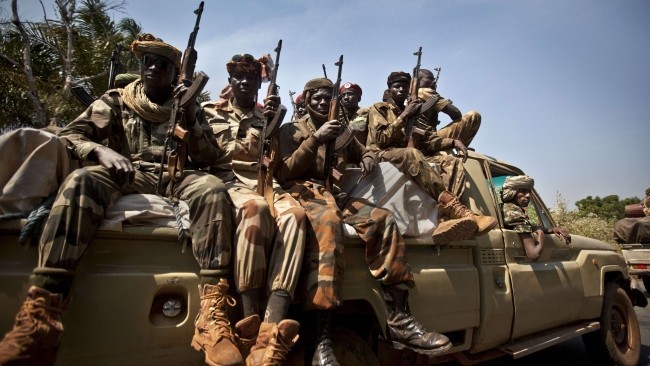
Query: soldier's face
(244, 85)
(522, 198)
(157, 72)
(399, 91)
(349, 99)
(426, 79)
(320, 100)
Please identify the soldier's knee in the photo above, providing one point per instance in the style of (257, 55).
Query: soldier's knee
(473, 116)
(255, 207)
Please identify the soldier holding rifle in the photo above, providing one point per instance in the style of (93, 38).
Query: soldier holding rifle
(303, 152)
(134, 122)
(245, 136)
(392, 132)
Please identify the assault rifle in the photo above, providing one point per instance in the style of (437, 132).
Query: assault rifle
(331, 155)
(115, 67)
(177, 134)
(435, 80)
(413, 96)
(293, 104)
(324, 71)
(271, 124)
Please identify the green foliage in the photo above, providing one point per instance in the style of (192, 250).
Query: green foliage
(607, 208)
(584, 223)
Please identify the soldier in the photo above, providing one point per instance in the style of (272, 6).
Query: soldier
(515, 195)
(646, 202)
(237, 125)
(134, 122)
(387, 136)
(301, 170)
(462, 127)
(357, 117)
(300, 107)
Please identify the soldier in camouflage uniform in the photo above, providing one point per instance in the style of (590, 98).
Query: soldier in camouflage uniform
(301, 170)
(646, 202)
(387, 136)
(357, 117)
(462, 127)
(515, 195)
(132, 124)
(237, 124)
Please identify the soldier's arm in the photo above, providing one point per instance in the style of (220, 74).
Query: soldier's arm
(383, 133)
(202, 146)
(452, 111)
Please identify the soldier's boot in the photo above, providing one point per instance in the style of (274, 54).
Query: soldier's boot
(404, 331)
(34, 340)
(451, 207)
(324, 353)
(274, 343)
(247, 330)
(213, 334)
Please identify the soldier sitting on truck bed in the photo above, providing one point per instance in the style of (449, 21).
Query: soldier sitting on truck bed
(237, 123)
(302, 172)
(134, 121)
(387, 136)
(515, 195)
(356, 116)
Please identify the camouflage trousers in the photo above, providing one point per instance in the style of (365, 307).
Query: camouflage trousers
(463, 129)
(412, 162)
(255, 228)
(324, 265)
(86, 193)
(452, 172)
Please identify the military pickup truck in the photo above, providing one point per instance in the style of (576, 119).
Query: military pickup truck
(135, 295)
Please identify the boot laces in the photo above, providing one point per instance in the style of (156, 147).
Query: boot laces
(279, 349)
(325, 352)
(459, 209)
(218, 315)
(27, 322)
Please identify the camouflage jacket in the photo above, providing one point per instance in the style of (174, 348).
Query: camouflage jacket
(384, 134)
(109, 122)
(646, 205)
(237, 132)
(515, 218)
(303, 158)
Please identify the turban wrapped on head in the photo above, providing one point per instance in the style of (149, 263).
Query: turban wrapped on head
(396, 76)
(514, 183)
(351, 86)
(314, 84)
(147, 43)
(244, 63)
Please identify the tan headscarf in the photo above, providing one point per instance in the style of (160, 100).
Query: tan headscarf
(134, 97)
(514, 183)
(147, 43)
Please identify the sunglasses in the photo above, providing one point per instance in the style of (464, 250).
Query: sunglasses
(161, 63)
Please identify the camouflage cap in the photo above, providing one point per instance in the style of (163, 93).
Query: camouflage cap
(244, 63)
(514, 183)
(396, 76)
(147, 43)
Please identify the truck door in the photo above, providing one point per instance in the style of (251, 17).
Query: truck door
(547, 292)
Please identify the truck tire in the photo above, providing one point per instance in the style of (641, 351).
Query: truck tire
(618, 341)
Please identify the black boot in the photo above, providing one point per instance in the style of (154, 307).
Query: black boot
(404, 331)
(324, 353)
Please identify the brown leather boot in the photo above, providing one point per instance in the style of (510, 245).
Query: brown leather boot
(213, 334)
(451, 207)
(274, 343)
(404, 331)
(34, 340)
(247, 330)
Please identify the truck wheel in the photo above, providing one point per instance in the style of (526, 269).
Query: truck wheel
(618, 341)
(646, 283)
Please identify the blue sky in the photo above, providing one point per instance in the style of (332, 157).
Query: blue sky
(562, 85)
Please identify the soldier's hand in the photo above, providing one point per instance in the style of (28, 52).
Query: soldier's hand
(461, 148)
(191, 109)
(329, 131)
(118, 165)
(562, 234)
(368, 165)
(412, 108)
(271, 105)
